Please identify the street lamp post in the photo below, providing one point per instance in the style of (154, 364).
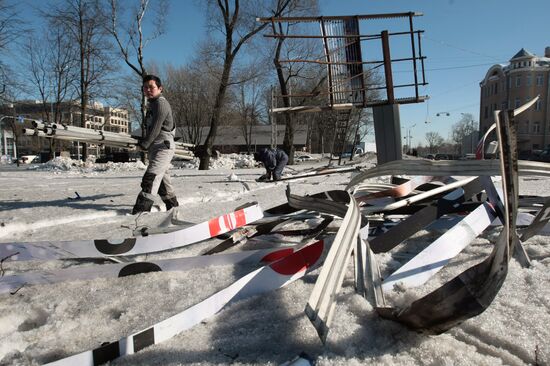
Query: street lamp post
(471, 120)
(471, 131)
(408, 138)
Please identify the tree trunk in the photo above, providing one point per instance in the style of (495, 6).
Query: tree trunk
(288, 141)
(205, 152)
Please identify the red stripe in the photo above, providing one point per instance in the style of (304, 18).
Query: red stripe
(300, 260)
(227, 222)
(240, 217)
(214, 226)
(279, 254)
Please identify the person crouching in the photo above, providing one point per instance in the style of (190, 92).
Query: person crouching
(274, 161)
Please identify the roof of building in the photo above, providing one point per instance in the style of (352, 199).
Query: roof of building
(261, 135)
(522, 53)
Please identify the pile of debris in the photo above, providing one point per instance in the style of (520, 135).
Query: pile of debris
(99, 137)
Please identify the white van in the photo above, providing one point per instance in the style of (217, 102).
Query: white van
(27, 159)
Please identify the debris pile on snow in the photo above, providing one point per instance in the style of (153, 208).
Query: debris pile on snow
(59, 164)
(233, 161)
(224, 161)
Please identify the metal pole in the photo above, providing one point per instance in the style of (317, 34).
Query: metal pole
(273, 122)
(472, 138)
(387, 66)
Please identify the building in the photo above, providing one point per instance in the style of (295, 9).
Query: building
(8, 148)
(97, 117)
(511, 85)
(231, 139)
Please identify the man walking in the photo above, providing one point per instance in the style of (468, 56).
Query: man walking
(159, 144)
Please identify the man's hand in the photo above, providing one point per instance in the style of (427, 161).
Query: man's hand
(262, 178)
(140, 144)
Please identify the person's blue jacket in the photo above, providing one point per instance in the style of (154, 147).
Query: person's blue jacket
(274, 161)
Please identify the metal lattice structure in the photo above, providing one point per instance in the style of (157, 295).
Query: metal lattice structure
(358, 68)
(348, 65)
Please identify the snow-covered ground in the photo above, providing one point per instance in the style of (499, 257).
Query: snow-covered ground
(59, 201)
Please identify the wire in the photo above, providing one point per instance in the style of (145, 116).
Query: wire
(458, 48)
(460, 67)
(462, 107)
(445, 92)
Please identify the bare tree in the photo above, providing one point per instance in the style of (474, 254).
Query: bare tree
(249, 109)
(36, 55)
(189, 93)
(434, 141)
(9, 32)
(8, 18)
(238, 24)
(84, 22)
(127, 31)
(461, 129)
(50, 62)
(286, 73)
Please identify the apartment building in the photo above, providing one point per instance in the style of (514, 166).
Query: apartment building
(508, 86)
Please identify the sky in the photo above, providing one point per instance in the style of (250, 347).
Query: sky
(462, 40)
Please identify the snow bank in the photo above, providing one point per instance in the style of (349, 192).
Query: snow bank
(224, 161)
(63, 164)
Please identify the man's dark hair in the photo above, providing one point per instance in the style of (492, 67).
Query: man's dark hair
(155, 78)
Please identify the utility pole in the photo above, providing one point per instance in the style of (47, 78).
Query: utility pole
(273, 123)
(408, 138)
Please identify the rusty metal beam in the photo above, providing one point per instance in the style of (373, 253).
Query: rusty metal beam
(340, 17)
(413, 50)
(377, 62)
(371, 103)
(387, 66)
(364, 37)
(327, 55)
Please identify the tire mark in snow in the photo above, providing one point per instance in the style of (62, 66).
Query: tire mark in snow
(18, 227)
(486, 344)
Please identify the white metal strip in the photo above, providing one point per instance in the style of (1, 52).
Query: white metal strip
(14, 282)
(131, 246)
(433, 258)
(322, 301)
(267, 278)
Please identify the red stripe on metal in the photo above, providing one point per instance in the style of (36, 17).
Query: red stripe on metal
(214, 226)
(240, 217)
(279, 254)
(230, 221)
(227, 221)
(299, 261)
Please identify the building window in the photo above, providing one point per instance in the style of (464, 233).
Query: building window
(509, 82)
(528, 80)
(486, 114)
(504, 106)
(517, 103)
(526, 129)
(537, 105)
(518, 81)
(540, 80)
(536, 127)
